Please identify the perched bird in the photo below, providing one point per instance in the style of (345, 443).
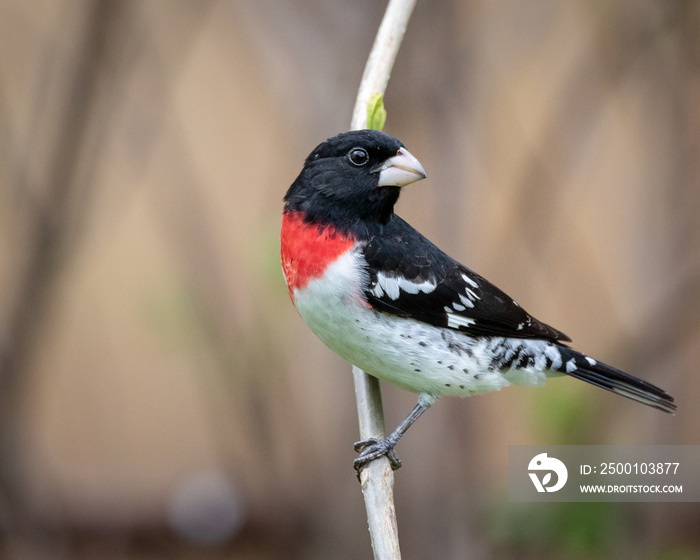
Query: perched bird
(386, 299)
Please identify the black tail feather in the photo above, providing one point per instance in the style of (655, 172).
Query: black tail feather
(616, 381)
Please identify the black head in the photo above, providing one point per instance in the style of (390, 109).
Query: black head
(352, 178)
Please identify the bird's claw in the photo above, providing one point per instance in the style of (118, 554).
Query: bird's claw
(373, 448)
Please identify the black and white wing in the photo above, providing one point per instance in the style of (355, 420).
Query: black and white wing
(411, 277)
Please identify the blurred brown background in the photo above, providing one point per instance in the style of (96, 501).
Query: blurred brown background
(160, 397)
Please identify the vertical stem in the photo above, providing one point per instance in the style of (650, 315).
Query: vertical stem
(377, 478)
(381, 58)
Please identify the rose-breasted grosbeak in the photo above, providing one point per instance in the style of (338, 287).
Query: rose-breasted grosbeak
(386, 299)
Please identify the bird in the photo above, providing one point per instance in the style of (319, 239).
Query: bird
(386, 299)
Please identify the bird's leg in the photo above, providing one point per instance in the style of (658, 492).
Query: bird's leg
(373, 448)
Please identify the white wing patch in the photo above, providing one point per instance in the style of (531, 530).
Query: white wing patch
(456, 321)
(393, 287)
(469, 281)
(471, 295)
(467, 300)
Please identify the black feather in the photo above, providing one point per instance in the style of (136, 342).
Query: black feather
(399, 250)
(616, 381)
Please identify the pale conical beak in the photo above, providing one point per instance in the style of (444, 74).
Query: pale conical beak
(400, 170)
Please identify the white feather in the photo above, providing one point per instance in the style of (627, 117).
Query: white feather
(456, 321)
(392, 286)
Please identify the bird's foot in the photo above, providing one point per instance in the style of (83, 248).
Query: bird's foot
(371, 449)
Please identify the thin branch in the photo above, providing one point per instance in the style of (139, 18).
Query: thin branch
(381, 57)
(377, 478)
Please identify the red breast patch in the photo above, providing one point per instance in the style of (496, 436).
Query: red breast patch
(308, 249)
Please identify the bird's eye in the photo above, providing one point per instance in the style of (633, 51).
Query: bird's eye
(358, 156)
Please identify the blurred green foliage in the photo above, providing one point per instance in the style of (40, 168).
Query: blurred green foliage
(562, 530)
